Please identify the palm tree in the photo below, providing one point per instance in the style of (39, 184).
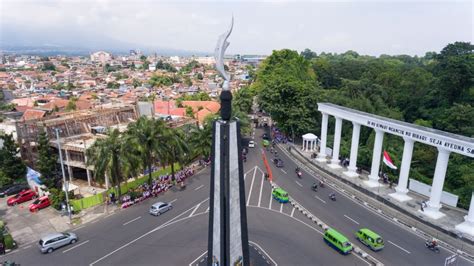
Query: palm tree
(144, 138)
(200, 139)
(175, 148)
(109, 157)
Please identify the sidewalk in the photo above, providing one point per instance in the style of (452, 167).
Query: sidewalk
(406, 212)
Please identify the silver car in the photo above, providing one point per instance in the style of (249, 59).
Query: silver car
(53, 241)
(159, 208)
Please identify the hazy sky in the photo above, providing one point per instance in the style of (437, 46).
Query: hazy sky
(375, 27)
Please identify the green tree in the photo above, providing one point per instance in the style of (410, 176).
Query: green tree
(71, 105)
(200, 76)
(175, 148)
(189, 111)
(308, 54)
(136, 83)
(109, 157)
(200, 138)
(47, 163)
(145, 137)
(48, 66)
(286, 85)
(11, 165)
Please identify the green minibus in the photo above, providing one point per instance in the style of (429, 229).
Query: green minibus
(338, 241)
(265, 143)
(280, 195)
(370, 239)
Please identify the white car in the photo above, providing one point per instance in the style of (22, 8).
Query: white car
(159, 208)
(251, 144)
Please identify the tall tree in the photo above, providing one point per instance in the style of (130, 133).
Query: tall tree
(11, 165)
(109, 156)
(145, 137)
(47, 164)
(175, 149)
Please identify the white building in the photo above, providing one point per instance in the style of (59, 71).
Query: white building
(101, 57)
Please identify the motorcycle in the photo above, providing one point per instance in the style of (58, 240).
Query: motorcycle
(299, 174)
(321, 184)
(314, 187)
(332, 196)
(431, 247)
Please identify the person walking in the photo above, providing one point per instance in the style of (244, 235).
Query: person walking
(2, 249)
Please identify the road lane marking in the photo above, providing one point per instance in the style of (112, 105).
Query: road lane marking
(82, 226)
(199, 187)
(320, 199)
(207, 210)
(26, 247)
(264, 252)
(173, 201)
(78, 245)
(133, 220)
(398, 246)
(200, 256)
(356, 222)
(292, 211)
(283, 171)
(299, 184)
(281, 207)
(270, 204)
(169, 222)
(260, 196)
(195, 209)
(251, 186)
(249, 171)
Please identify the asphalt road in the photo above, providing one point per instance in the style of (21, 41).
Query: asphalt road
(179, 237)
(402, 247)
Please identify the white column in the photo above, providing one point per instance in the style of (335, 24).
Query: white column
(88, 172)
(374, 172)
(69, 168)
(467, 227)
(401, 194)
(432, 210)
(107, 181)
(337, 144)
(352, 169)
(313, 145)
(324, 137)
(304, 142)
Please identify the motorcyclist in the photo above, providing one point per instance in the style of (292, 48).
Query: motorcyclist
(315, 187)
(297, 169)
(321, 184)
(332, 196)
(433, 243)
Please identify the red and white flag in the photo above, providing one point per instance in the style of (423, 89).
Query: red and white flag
(388, 161)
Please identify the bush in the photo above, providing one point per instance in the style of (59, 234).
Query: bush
(57, 196)
(9, 243)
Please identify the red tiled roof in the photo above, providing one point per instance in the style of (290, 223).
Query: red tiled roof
(33, 114)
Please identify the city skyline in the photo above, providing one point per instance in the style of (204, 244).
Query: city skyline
(368, 28)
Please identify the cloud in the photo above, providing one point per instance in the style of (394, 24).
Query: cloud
(366, 27)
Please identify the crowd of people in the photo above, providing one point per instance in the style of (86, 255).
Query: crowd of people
(158, 185)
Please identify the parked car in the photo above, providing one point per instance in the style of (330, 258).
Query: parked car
(50, 242)
(265, 136)
(21, 197)
(13, 189)
(251, 144)
(159, 208)
(39, 204)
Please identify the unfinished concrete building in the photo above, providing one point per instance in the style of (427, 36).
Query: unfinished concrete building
(78, 131)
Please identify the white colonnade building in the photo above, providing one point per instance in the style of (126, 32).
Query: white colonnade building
(309, 142)
(445, 142)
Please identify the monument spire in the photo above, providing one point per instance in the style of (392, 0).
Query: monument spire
(228, 235)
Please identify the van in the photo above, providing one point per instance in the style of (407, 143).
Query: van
(338, 241)
(370, 239)
(280, 195)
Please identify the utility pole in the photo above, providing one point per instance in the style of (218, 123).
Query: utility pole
(65, 182)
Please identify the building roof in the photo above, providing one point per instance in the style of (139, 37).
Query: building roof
(33, 114)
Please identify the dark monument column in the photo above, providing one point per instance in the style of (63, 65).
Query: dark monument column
(228, 236)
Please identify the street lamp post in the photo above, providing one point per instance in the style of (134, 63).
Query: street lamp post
(65, 182)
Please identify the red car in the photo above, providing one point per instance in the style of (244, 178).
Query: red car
(21, 197)
(39, 204)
